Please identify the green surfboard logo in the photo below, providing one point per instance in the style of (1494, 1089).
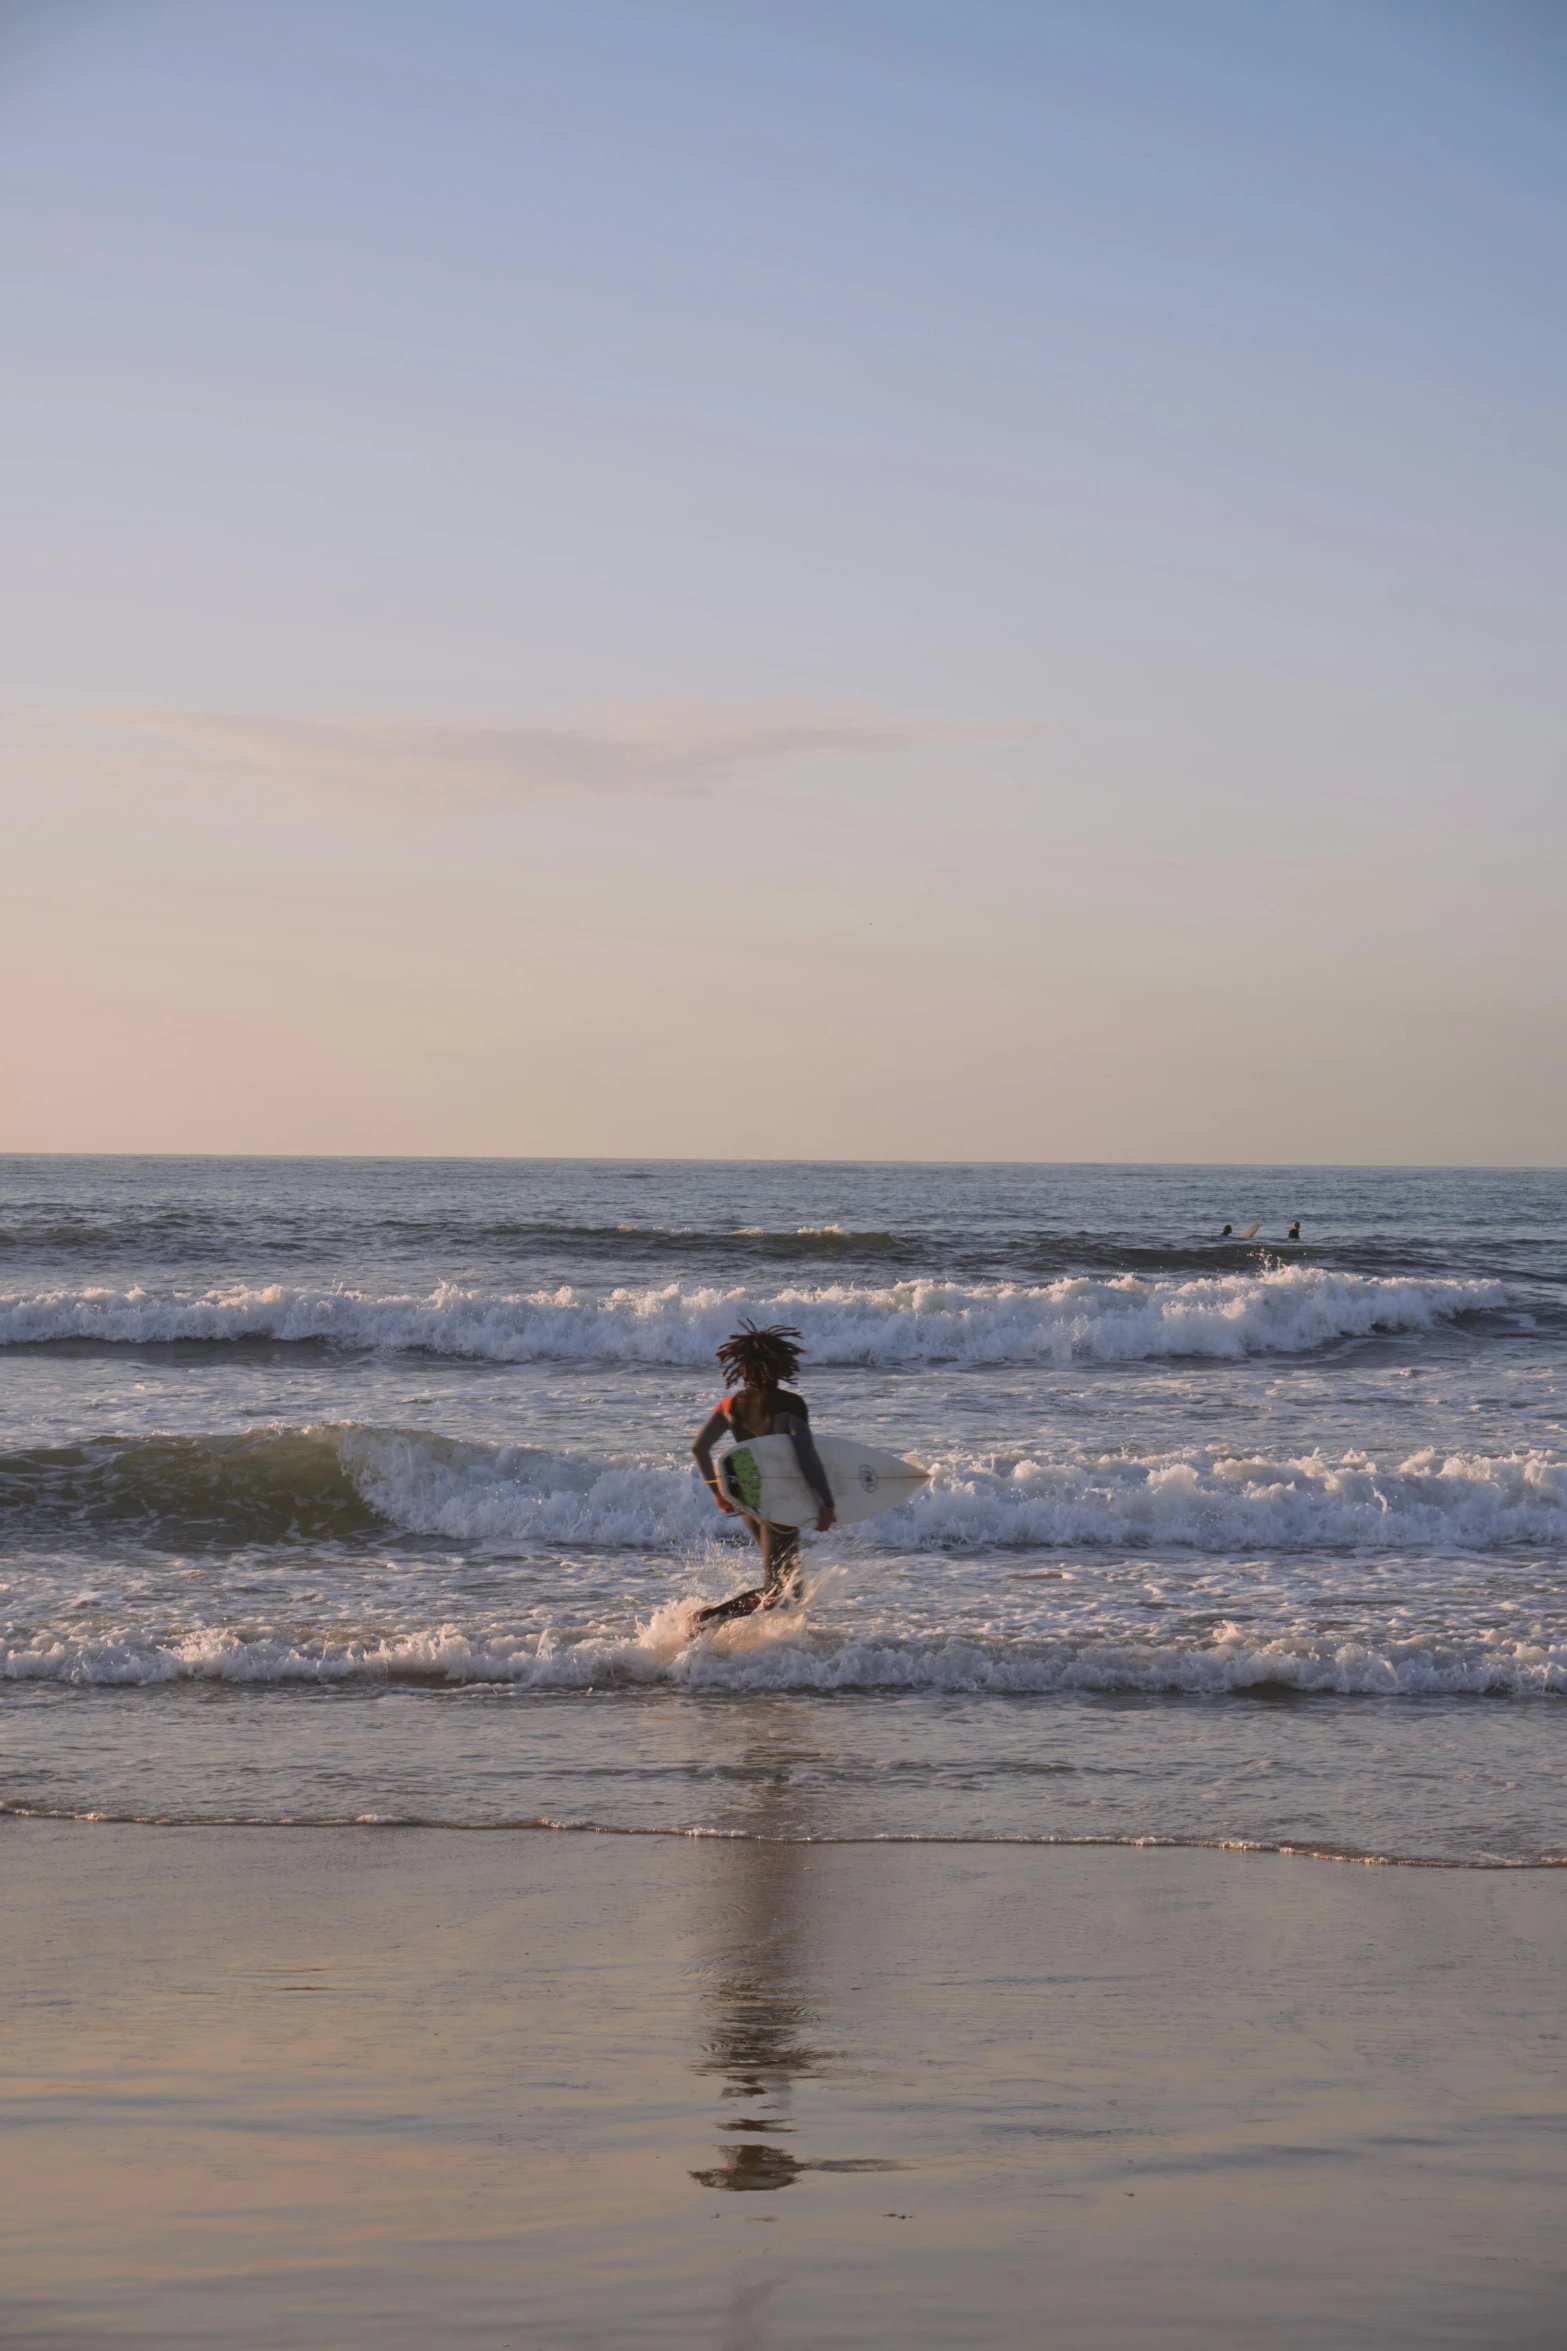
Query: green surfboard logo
(745, 1477)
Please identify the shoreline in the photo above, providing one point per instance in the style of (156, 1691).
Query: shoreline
(657, 2089)
(1286, 1849)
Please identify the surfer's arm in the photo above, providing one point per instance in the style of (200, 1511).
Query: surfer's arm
(706, 1438)
(798, 1431)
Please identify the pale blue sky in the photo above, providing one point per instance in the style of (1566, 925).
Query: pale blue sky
(526, 524)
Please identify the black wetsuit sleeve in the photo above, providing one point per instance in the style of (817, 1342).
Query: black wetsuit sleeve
(797, 1430)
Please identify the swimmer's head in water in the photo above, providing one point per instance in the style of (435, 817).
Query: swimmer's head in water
(761, 1358)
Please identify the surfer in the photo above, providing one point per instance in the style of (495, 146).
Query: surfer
(1295, 1230)
(759, 1361)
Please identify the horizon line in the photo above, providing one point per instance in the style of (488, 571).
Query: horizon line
(718, 1159)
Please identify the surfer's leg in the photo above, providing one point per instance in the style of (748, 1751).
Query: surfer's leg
(743, 1604)
(780, 1563)
(780, 1566)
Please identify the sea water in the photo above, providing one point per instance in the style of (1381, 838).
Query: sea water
(360, 1490)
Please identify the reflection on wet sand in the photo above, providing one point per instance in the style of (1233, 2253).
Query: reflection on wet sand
(763, 2034)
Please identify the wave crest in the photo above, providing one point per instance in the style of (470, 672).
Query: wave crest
(1283, 1310)
(335, 1483)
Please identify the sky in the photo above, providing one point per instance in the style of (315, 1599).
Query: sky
(784, 578)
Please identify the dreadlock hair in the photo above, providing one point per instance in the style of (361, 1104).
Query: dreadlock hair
(764, 1359)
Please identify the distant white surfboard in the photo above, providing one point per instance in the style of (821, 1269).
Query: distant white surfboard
(764, 1476)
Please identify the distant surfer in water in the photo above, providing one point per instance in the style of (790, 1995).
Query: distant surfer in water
(759, 1362)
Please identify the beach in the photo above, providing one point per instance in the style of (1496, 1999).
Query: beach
(1119, 1901)
(279, 2087)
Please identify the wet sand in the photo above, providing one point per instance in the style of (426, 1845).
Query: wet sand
(401, 2088)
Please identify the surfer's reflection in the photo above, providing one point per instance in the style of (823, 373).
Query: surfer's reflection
(761, 2018)
(765, 2028)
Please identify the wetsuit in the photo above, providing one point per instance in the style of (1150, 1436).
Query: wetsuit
(780, 1545)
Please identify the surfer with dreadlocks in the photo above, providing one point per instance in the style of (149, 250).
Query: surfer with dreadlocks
(759, 1362)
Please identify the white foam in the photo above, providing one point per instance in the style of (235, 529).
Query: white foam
(501, 1495)
(777, 1655)
(1289, 1310)
(1429, 1500)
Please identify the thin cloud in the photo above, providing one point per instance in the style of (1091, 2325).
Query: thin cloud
(667, 752)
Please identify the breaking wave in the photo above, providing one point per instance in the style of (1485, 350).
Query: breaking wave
(782, 1659)
(1288, 1309)
(1218, 1502)
(281, 1485)
(269, 1485)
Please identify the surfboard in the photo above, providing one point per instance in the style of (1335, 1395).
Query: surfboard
(764, 1476)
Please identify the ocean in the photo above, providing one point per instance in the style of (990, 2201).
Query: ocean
(337, 1491)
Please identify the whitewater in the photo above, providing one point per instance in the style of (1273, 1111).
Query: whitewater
(337, 1490)
(1285, 1308)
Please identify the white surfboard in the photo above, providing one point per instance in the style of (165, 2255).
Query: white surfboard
(764, 1476)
